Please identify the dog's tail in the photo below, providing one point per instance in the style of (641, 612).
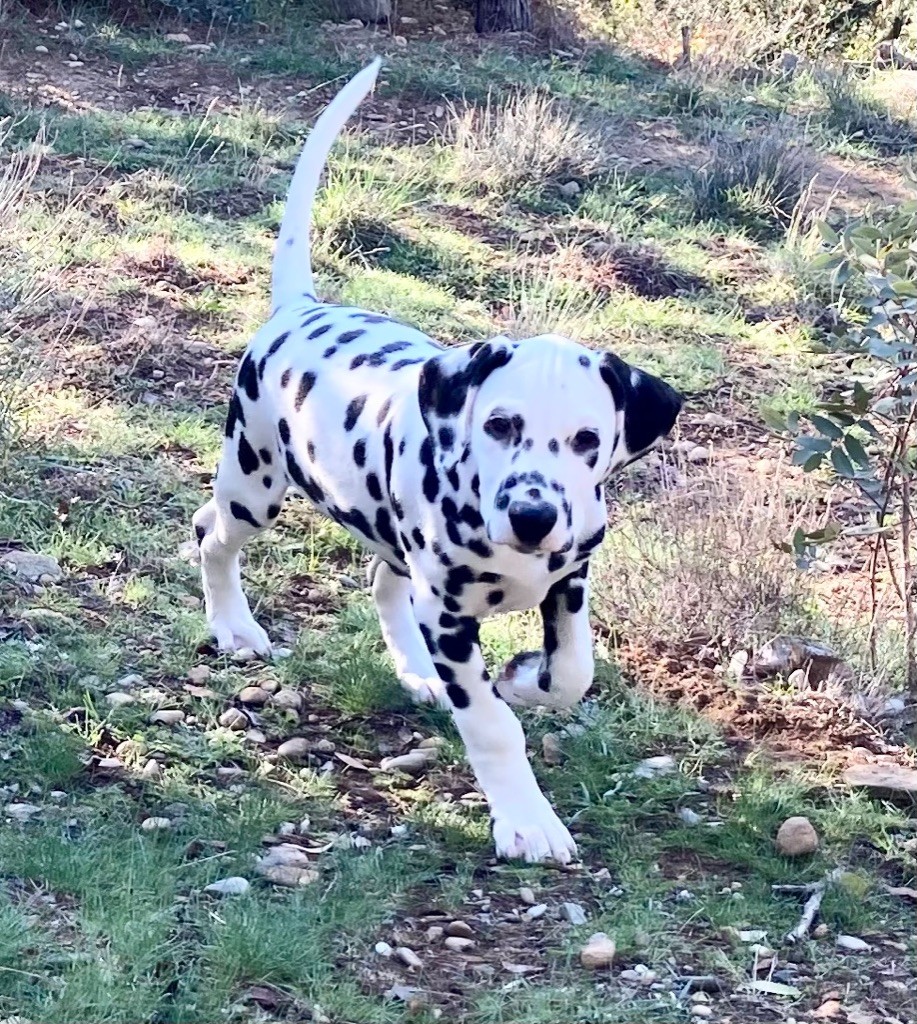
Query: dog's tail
(292, 270)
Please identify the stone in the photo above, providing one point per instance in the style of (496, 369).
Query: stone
(287, 700)
(21, 811)
(408, 957)
(31, 567)
(243, 655)
(152, 769)
(199, 674)
(290, 875)
(233, 886)
(650, 767)
(41, 49)
(598, 952)
(539, 910)
(135, 142)
(460, 929)
(700, 1010)
(177, 37)
(233, 718)
(527, 896)
(713, 419)
(853, 944)
(110, 764)
(295, 749)
(285, 853)
(797, 837)
(688, 816)
(551, 750)
(254, 695)
(458, 944)
(698, 454)
(569, 189)
(116, 699)
(573, 913)
(154, 824)
(383, 949)
(413, 763)
(889, 776)
(167, 716)
(130, 682)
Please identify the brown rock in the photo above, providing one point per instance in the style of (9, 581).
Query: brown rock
(254, 695)
(461, 929)
(295, 749)
(598, 952)
(797, 837)
(882, 776)
(233, 718)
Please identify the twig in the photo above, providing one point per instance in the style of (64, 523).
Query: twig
(815, 892)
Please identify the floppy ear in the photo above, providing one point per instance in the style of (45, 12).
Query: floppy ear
(645, 406)
(447, 388)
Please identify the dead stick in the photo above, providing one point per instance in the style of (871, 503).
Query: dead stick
(815, 892)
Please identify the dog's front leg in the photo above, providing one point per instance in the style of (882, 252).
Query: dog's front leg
(524, 823)
(559, 675)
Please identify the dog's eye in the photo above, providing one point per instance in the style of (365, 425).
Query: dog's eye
(585, 441)
(500, 428)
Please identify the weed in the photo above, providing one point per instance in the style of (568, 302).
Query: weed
(856, 116)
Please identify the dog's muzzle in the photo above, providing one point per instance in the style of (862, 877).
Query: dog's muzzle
(532, 521)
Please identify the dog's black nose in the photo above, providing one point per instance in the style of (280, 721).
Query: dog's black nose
(532, 521)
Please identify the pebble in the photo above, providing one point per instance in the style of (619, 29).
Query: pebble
(177, 37)
(152, 769)
(569, 189)
(713, 419)
(288, 874)
(286, 828)
(650, 767)
(234, 886)
(688, 816)
(408, 957)
(700, 1010)
(22, 812)
(199, 674)
(168, 716)
(413, 762)
(797, 837)
(155, 824)
(254, 695)
(287, 699)
(233, 718)
(280, 653)
(551, 750)
(110, 764)
(460, 929)
(533, 913)
(435, 932)
(599, 951)
(853, 944)
(296, 749)
(458, 944)
(129, 682)
(243, 655)
(383, 949)
(118, 700)
(41, 49)
(527, 895)
(573, 913)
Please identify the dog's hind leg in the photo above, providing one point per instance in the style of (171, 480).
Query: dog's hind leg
(558, 675)
(393, 595)
(248, 492)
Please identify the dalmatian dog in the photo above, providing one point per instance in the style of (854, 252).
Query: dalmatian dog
(473, 474)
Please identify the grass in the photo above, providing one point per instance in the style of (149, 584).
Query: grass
(131, 276)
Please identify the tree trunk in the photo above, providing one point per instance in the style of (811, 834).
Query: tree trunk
(502, 16)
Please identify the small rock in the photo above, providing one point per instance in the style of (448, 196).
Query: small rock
(130, 682)
(286, 828)
(431, 743)
(167, 716)
(698, 454)
(737, 664)
(287, 700)
(31, 567)
(281, 653)
(460, 929)
(527, 895)
(713, 419)
(199, 674)
(323, 746)
(285, 853)
(255, 736)
(569, 189)
(383, 949)
(117, 699)
(458, 944)
(295, 749)
(435, 932)
(688, 816)
(243, 655)
(882, 776)
(110, 764)
(820, 931)
(852, 944)
(650, 767)
(233, 718)
(155, 824)
(152, 769)
(413, 763)
(752, 935)
(177, 37)
(408, 957)
(573, 913)
(199, 48)
(78, 24)
(254, 695)
(599, 951)
(551, 750)
(41, 49)
(289, 875)
(234, 886)
(699, 1010)
(22, 812)
(539, 910)
(135, 142)
(797, 837)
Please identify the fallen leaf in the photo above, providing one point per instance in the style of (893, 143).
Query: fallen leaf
(351, 762)
(773, 988)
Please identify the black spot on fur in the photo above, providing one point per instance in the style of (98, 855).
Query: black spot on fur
(459, 646)
(476, 485)
(457, 695)
(489, 577)
(446, 438)
(556, 561)
(349, 336)
(329, 352)
(235, 414)
(419, 538)
(444, 672)
(310, 451)
(359, 453)
(241, 513)
(319, 331)
(284, 428)
(384, 527)
(200, 533)
(267, 481)
(353, 412)
(315, 316)
(502, 502)
(457, 578)
(428, 637)
(448, 621)
(592, 459)
(372, 485)
(453, 533)
(471, 516)
(453, 478)
(272, 351)
(306, 384)
(397, 507)
(388, 447)
(544, 681)
(265, 456)
(553, 446)
(451, 603)
(355, 518)
(495, 597)
(584, 361)
(285, 377)
(402, 363)
(430, 477)
(359, 360)
(273, 511)
(248, 460)
(575, 598)
(248, 378)
(383, 411)
(590, 542)
(478, 547)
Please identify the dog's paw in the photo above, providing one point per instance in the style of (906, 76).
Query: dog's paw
(236, 634)
(518, 682)
(423, 690)
(532, 832)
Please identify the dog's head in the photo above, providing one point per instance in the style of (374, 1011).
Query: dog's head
(544, 422)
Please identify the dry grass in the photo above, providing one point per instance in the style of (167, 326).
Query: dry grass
(525, 139)
(701, 565)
